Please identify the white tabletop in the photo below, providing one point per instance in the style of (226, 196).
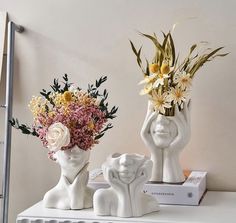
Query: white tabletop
(216, 207)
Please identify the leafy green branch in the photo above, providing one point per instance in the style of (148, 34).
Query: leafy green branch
(93, 89)
(111, 114)
(56, 87)
(24, 128)
(46, 94)
(101, 134)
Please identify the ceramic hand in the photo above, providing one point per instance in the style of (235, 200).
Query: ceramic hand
(156, 152)
(115, 182)
(121, 190)
(182, 121)
(142, 176)
(136, 187)
(145, 131)
(172, 170)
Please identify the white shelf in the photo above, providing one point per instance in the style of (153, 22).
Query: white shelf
(216, 207)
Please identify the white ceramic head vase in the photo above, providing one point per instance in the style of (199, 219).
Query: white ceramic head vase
(126, 174)
(166, 137)
(71, 192)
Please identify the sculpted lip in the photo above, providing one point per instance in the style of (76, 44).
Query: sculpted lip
(125, 173)
(75, 158)
(161, 133)
(161, 130)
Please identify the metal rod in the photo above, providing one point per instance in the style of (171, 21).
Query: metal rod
(8, 116)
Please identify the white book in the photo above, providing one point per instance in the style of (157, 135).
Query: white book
(188, 193)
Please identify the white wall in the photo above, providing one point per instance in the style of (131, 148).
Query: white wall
(87, 39)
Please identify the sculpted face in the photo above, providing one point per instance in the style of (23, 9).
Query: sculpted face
(71, 159)
(163, 131)
(126, 166)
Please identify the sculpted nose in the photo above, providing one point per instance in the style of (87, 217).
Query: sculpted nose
(126, 160)
(162, 119)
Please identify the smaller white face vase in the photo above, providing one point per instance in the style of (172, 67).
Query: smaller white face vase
(163, 131)
(126, 165)
(72, 159)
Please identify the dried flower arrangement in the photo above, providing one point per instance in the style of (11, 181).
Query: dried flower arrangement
(66, 116)
(166, 80)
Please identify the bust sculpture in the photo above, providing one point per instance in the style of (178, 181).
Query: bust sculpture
(126, 174)
(166, 137)
(71, 192)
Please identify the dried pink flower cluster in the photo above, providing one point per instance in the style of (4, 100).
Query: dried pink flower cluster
(83, 121)
(83, 115)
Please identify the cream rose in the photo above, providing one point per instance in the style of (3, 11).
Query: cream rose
(58, 135)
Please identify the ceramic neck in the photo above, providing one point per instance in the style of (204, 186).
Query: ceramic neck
(70, 174)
